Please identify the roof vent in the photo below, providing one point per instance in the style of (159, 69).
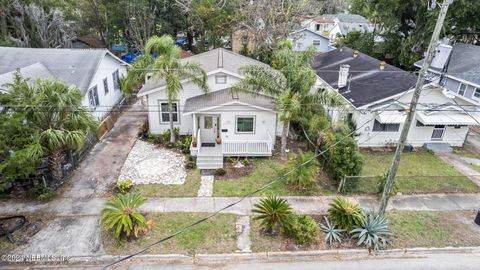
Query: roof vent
(355, 53)
(382, 65)
(343, 76)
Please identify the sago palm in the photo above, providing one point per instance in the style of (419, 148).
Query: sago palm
(55, 113)
(121, 214)
(273, 213)
(304, 171)
(289, 81)
(345, 214)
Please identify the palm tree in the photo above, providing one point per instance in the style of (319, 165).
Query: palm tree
(289, 82)
(168, 67)
(273, 213)
(55, 113)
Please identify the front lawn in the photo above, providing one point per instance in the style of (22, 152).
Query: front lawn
(217, 235)
(187, 189)
(265, 170)
(433, 229)
(437, 175)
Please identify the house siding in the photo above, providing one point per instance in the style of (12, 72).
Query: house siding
(106, 101)
(303, 39)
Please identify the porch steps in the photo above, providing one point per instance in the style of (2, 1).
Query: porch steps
(209, 162)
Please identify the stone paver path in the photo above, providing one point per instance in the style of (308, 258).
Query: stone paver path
(243, 234)
(149, 164)
(206, 186)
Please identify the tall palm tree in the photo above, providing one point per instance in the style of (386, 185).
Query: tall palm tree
(290, 80)
(55, 113)
(167, 66)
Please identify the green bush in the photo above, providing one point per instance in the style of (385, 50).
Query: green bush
(345, 214)
(43, 193)
(303, 229)
(381, 185)
(120, 214)
(229, 159)
(373, 233)
(273, 213)
(304, 175)
(153, 138)
(220, 172)
(344, 159)
(190, 165)
(166, 136)
(124, 185)
(245, 162)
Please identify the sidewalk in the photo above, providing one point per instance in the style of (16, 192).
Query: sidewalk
(308, 205)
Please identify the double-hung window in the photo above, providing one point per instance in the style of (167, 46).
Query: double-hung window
(164, 112)
(245, 124)
(316, 42)
(476, 93)
(93, 97)
(377, 126)
(105, 85)
(116, 80)
(462, 88)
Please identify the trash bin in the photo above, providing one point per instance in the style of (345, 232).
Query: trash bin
(477, 218)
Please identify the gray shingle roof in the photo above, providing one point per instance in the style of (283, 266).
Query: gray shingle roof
(464, 62)
(210, 61)
(348, 18)
(34, 71)
(368, 83)
(73, 66)
(221, 97)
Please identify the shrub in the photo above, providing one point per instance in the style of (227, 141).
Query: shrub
(245, 162)
(332, 234)
(220, 172)
(166, 136)
(43, 193)
(152, 138)
(120, 214)
(229, 159)
(304, 175)
(381, 185)
(344, 159)
(124, 185)
(345, 214)
(373, 233)
(191, 165)
(273, 213)
(303, 229)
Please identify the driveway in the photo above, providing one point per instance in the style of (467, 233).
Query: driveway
(71, 233)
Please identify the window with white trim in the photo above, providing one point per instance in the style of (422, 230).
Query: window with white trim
(164, 112)
(380, 127)
(116, 80)
(105, 85)
(93, 97)
(476, 93)
(245, 124)
(220, 79)
(462, 88)
(316, 42)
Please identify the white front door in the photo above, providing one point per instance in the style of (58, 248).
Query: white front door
(208, 126)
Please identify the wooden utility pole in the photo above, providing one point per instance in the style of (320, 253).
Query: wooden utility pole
(413, 105)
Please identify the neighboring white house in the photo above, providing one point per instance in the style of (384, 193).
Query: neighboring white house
(376, 91)
(457, 68)
(96, 72)
(303, 38)
(337, 25)
(246, 123)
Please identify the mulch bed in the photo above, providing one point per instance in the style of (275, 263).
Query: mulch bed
(233, 173)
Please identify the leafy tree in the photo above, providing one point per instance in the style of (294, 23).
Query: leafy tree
(344, 158)
(56, 116)
(305, 171)
(289, 81)
(121, 214)
(273, 213)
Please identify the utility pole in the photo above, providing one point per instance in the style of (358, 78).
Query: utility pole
(413, 105)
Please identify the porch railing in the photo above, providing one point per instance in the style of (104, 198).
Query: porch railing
(248, 147)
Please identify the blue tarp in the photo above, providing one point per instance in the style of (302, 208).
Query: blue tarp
(181, 41)
(130, 57)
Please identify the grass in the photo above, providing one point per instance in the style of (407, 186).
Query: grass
(265, 171)
(465, 151)
(440, 176)
(433, 229)
(216, 235)
(188, 189)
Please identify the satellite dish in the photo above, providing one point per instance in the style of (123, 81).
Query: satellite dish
(447, 93)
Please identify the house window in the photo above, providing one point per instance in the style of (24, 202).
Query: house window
(443, 80)
(317, 27)
(105, 85)
(221, 79)
(316, 42)
(461, 89)
(476, 93)
(116, 80)
(207, 122)
(377, 126)
(93, 97)
(164, 112)
(245, 124)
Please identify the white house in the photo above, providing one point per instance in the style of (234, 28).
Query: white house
(96, 72)
(246, 123)
(377, 96)
(337, 25)
(303, 38)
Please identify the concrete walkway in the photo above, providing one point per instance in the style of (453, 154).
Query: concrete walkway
(67, 207)
(461, 165)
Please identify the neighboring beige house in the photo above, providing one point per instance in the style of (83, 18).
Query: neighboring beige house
(241, 39)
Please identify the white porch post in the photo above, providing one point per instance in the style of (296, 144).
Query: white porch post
(195, 125)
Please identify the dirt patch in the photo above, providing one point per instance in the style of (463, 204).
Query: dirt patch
(236, 168)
